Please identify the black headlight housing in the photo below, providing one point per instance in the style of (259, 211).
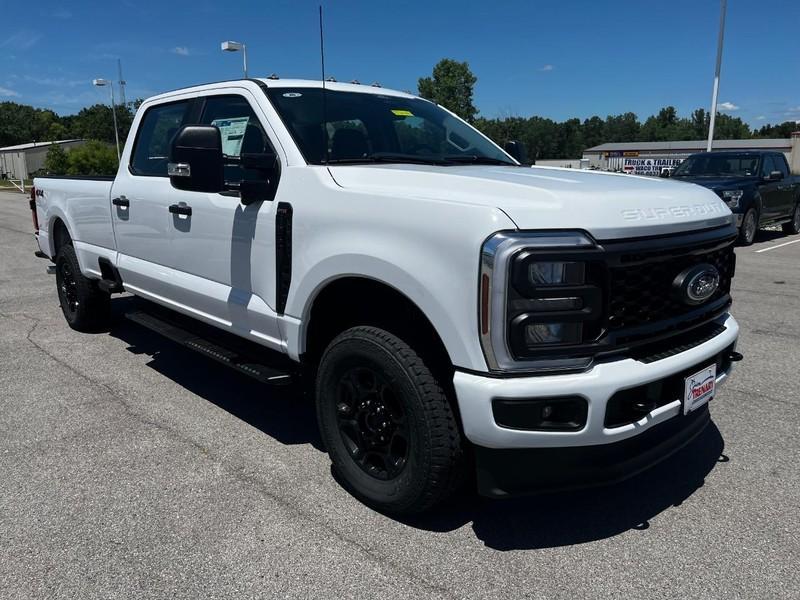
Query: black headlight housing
(554, 302)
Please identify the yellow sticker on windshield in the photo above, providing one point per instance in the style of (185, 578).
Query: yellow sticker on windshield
(400, 112)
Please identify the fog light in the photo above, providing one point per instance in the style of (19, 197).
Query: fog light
(565, 413)
(553, 333)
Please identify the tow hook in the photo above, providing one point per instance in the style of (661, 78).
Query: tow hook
(735, 356)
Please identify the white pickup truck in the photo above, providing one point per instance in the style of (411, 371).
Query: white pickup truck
(454, 311)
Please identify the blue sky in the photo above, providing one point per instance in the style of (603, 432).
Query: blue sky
(556, 59)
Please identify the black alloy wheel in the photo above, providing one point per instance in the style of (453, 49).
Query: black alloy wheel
(372, 422)
(388, 425)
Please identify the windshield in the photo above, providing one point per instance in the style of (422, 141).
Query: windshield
(365, 127)
(724, 165)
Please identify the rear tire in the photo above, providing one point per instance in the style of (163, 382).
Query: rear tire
(86, 308)
(388, 426)
(793, 226)
(749, 228)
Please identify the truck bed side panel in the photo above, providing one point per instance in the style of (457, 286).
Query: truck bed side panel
(83, 205)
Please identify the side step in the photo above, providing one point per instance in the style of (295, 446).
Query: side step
(226, 356)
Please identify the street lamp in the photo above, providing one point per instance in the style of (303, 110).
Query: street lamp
(110, 84)
(235, 47)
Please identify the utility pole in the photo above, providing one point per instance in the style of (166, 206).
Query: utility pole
(122, 83)
(723, 9)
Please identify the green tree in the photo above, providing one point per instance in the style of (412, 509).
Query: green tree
(93, 158)
(451, 85)
(57, 160)
(622, 128)
(594, 132)
(782, 130)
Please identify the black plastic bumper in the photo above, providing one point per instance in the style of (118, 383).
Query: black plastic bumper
(510, 472)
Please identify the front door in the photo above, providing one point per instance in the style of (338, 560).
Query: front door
(224, 252)
(770, 191)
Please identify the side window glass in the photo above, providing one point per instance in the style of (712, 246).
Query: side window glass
(781, 165)
(151, 149)
(242, 132)
(767, 166)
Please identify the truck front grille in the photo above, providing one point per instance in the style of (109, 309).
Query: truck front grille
(642, 293)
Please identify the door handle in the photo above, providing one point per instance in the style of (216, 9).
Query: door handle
(180, 209)
(122, 202)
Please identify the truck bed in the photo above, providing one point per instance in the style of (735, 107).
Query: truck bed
(83, 205)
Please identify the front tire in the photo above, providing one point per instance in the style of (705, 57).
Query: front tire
(86, 308)
(388, 426)
(747, 232)
(793, 226)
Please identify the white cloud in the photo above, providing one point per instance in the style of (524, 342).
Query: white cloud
(56, 81)
(760, 118)
(60, 13)
(181, 50)
(727, 106)
(547, 68)
(22, 40)
(793, 111)
(7, 93)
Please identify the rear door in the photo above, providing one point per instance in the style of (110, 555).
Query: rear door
(786, 187)
(770, 192)
(141, 195)
(224, 252)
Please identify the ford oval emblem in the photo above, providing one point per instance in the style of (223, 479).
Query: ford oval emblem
(697, 284)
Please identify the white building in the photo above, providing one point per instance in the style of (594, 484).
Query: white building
(649, 158)
(18, 162)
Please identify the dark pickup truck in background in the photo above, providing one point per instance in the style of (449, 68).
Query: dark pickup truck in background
(756, 185)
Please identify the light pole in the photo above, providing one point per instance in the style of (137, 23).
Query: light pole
(110, 84)
(722, 8)
(235, 47)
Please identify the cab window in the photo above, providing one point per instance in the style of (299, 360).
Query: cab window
(156, 130)
(241, 131)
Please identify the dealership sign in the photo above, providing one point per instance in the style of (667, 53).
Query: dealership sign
(649, 166)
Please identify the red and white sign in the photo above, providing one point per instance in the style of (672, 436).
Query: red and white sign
(699, 388)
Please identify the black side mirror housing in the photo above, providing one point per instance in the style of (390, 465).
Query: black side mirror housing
(517, 150)
(774, 176)
(195, 159)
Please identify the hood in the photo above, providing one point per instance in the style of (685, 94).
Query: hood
(607, 205)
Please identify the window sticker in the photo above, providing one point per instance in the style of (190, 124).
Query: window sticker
(232, 131)
(400, 112)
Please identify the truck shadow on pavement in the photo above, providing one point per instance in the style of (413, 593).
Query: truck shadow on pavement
(281, 412)
(533, 522)
(575, 517)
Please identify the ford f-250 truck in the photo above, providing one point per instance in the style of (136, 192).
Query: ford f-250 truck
(756, 185)
(454, 312)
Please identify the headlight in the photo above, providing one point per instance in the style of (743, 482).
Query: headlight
(732, 197)
(538, 297)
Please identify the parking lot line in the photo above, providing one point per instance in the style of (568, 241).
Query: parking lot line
(775, 247)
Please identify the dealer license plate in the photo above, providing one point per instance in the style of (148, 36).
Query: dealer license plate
(699, 388)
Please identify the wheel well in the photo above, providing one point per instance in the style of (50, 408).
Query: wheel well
(60, 235)
(353, 301)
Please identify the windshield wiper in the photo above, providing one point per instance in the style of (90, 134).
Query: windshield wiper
(476, 160)
(388, 157)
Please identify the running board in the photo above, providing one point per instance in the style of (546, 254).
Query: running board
(227, 357)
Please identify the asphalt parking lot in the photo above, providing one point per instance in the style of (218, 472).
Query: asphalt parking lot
(132, 468)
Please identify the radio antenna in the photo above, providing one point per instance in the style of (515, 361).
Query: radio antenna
(324, 91)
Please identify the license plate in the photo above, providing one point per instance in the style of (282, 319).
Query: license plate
(699, 388)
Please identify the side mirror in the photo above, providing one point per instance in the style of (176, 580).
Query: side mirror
(774, 176)
(517, 149)
(195, 159)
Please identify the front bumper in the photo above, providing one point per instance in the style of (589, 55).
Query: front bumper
(475, 394)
